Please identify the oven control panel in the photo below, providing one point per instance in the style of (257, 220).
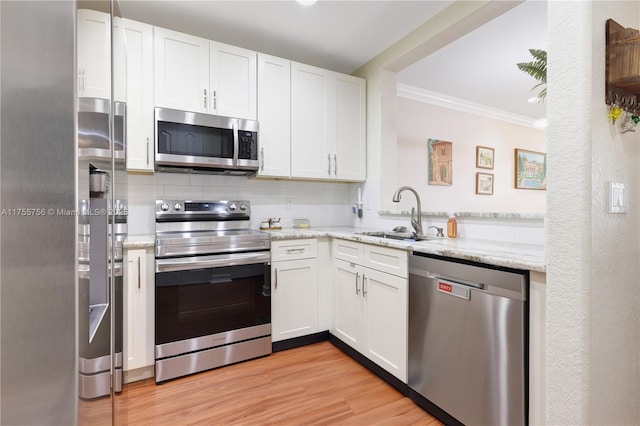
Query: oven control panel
(221, 208)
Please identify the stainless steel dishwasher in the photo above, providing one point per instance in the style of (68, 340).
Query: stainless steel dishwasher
(468, 340)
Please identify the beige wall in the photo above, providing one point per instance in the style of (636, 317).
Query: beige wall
(593, 289)
(419, 121)
(593, 292)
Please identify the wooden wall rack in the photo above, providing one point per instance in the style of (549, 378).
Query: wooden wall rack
(622, 66)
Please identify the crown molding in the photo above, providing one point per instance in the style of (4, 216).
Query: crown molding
(429, 97)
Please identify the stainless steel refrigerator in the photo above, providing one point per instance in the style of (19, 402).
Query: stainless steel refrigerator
(61, 167)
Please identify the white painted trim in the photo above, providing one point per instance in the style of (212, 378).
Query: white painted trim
(429, 97)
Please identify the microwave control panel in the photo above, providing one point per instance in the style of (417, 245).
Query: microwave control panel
(247, 145)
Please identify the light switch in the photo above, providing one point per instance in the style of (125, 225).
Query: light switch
(617, 197)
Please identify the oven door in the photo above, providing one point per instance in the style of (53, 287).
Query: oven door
(198, 297)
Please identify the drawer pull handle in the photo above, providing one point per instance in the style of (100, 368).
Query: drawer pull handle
(297, 250)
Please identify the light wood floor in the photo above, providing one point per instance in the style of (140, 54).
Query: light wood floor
(315, 384)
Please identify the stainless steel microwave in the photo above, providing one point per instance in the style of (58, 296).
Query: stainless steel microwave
(205, 143)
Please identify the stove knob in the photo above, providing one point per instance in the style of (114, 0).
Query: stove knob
(233, 207)
(243, 206)
(164, 207)
(177, 206)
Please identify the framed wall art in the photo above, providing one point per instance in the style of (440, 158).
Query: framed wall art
(440, 162)
(484, 183)
(530, 169)
(484, 157)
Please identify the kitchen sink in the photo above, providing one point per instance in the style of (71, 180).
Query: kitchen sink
(403, 236)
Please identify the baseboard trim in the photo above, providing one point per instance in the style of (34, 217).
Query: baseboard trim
(297, 342)
(138, 374)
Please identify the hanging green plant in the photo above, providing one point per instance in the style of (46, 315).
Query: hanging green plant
(537, 69)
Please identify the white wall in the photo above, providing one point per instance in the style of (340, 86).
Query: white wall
(593, 291)
(615, 246)
(324, 204)
(418, 121)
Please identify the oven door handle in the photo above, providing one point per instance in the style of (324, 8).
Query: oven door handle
(215, 261)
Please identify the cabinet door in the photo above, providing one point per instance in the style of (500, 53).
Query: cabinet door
(94, 54)
(347, 308)
(350, 151)
(274, 115)
(138, 309)
(181, 71)
(232, 81)
(385, 321)
(294, 298)
(139, 95)
(312, 121)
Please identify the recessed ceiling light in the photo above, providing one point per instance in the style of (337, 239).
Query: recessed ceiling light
(306, 2)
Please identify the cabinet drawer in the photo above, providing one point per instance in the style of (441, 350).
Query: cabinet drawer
(385, 259)
(294, 249)
(351, 251)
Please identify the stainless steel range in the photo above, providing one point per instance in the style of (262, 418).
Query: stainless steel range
(213, 287)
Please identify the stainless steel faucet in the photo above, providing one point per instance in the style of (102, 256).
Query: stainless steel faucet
(416, 219)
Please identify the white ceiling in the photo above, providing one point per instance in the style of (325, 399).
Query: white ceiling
(480, 67)
(344, 35)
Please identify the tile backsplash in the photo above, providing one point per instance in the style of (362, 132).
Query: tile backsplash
(323, 203)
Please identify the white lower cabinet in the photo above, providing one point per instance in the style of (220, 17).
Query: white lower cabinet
(371, 306)
(138, 313)
(294, 289)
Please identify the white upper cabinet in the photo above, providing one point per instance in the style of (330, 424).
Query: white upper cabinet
(328, 139)
(274, 116)
(139, 95)
(195, 74)
(232, 81)
(351, 119)
(94, 54)
(312, 91)
(181, 70)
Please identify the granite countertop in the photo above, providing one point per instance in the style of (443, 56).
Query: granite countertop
(511, 255)
(139, 241)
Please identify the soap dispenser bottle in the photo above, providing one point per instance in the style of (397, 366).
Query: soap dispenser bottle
(452, 227)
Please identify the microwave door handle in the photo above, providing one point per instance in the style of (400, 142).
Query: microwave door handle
(236, 143)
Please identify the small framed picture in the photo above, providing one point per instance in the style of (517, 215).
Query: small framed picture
(484, 183)
(484, 157)
(530, 169)
(440, 162)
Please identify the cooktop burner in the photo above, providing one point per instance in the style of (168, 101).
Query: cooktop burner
(187, 228)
